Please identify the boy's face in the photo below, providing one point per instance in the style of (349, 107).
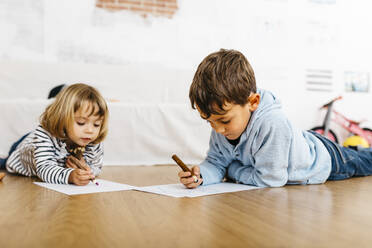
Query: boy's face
(234, 120)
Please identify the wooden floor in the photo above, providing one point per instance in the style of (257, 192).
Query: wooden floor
(335, 214)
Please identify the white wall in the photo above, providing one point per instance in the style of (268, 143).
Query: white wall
(152, 60)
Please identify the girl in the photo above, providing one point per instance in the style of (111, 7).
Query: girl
(76, 120)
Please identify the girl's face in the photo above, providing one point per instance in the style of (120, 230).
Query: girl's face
(86, 125)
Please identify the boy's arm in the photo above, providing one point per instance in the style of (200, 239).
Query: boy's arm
(94, 157)
(47, 168)
(270, 153)
(213, 168)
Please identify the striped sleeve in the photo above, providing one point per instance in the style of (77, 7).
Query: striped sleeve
(47, 167)
(94, 157)
(21, 161)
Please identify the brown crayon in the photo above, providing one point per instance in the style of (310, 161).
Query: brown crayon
(77, 152)
(184, 167)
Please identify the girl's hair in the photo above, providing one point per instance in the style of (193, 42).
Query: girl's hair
(59, 116)
(222, 77)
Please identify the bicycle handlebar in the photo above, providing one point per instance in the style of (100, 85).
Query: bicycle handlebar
(331, 102)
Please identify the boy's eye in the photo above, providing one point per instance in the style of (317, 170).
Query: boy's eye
(225, 122)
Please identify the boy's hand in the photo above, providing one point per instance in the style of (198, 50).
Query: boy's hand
(80, 177)
(187, 179)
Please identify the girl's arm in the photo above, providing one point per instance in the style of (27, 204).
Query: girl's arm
(46, 163)
(94, 157)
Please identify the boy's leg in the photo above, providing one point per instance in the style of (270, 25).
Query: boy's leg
(362, 162)
(347, 162)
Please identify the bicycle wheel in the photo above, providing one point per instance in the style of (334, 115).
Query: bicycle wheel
(368, 135)
(331, 135)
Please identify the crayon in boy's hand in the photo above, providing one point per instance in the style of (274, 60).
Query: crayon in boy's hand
(2, 175)
(184, 167)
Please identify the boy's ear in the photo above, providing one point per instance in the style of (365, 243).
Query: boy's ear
(254, 101)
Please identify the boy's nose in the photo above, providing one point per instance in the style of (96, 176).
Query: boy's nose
(219, 129)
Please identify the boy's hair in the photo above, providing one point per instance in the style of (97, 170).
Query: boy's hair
(58, 117)
(222, 77)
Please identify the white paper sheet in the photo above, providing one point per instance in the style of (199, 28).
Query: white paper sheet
(179, 190)
(70, 189)
(173, 190)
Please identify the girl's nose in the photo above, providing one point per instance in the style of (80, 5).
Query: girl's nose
(89, 129)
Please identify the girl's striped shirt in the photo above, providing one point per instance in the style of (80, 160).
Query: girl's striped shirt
(40, 154)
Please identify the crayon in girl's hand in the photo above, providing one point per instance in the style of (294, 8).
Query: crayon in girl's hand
(77, 152)
(95, 182)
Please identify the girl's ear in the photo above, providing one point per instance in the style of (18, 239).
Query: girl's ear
(254, 101)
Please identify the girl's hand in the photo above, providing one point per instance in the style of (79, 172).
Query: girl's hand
(80, 177)
(70, 164)
(75, 163)
(187, 179)
(81, 173)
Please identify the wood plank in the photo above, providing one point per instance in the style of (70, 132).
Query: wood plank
(334, 214)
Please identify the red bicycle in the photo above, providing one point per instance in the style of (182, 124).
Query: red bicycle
(364, 135)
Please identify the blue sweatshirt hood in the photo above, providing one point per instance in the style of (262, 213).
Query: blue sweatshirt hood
(268, 103)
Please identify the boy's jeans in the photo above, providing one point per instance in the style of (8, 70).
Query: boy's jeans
(12, 149)
(347, 162)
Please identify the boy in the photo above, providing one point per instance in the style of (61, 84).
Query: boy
(252, 142)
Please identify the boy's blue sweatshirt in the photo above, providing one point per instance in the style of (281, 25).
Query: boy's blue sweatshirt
(271, 152)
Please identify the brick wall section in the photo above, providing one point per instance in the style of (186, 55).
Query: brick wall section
(165, 8)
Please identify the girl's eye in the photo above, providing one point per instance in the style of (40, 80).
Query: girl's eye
(80, 123)
(97, 125)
